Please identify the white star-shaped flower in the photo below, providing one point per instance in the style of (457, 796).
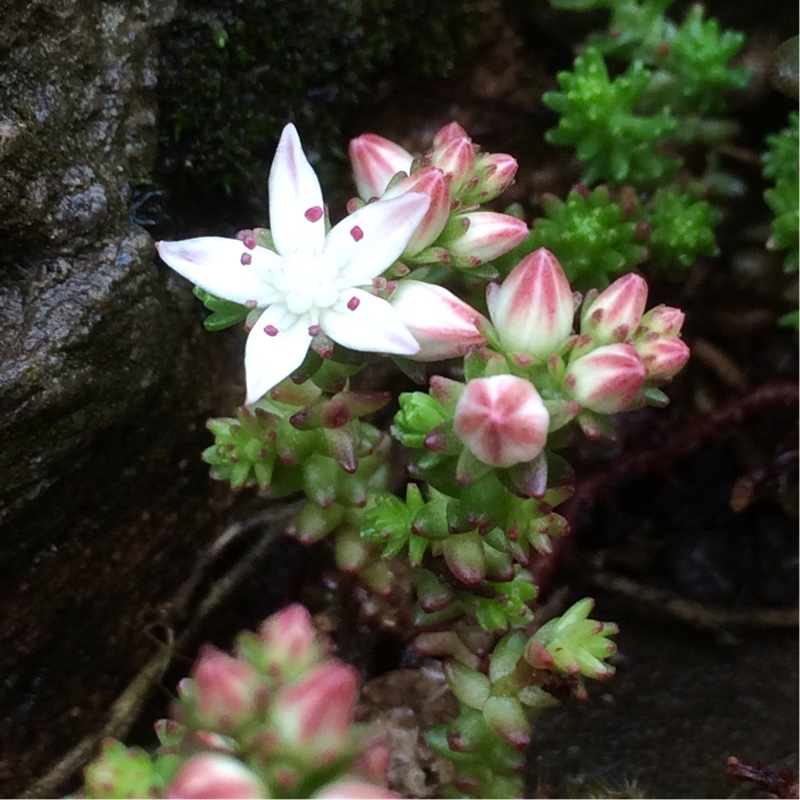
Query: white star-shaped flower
(311, 283)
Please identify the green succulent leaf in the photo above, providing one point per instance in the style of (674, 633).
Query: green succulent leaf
(224, 313)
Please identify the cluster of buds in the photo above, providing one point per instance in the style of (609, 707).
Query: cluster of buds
(273, 720)
(458, 178)
(615, 362)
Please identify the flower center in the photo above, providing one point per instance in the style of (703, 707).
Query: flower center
(308, 283)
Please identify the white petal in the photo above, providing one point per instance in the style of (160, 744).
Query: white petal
(371, 239)
(269, 359)
(215, 264)
(296, 211)
(373, 326)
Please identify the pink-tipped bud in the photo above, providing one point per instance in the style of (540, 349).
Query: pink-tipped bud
(457, 160)
(209, 775)
(222, 692)
(663, 320)
(663, 356)
(444, 326)
(607, 380)
(372, 762)
(355, 790)
(502, 420)
(615, 313)
(290, 637)
(448, 133)
(314, 715)
(495, 173)
(533, 308)
(488, 235)
(429, 181)
(375, 162)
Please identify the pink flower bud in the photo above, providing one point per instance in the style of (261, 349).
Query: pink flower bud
(210, 775)
(443, 324)
(495, 173)
(314, 715)
(533, 308)
(375, 162)
(457, 160)
(430, 181)
(615, 313)
(355, 790)
(290, 637)
(222, 692)
(488, 235)
(607, 380)
(447, 133)
(502, 420)
(663, 320)
(663, 356)
(372, 762)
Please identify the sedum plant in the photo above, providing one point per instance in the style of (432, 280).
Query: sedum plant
(275, 719)
(638, 95)
(506, 382)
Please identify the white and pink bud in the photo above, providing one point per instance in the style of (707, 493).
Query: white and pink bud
(375, 162)
(662, 356)
(615, 313)
(429, 181)
(209, 775)
(607, 380)
(663, 320)
(222, 692)
(457, 160)
(314, 715)
(448, 133)
(444, 325)
(290, 639)
(533, 308)
(502, 420)
(351, 789)
(487, 235)
(494, 173)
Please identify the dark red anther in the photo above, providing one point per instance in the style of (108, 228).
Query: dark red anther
(246, 259)
(249, 242)
(353, 303)
(356, 233)
(313, 330)
(314, 214)
(271, 330)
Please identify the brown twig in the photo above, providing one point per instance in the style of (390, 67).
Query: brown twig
(655, 600)
(127, 706)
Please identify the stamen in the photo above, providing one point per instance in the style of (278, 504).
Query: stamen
(246, 259)
(353, 303)
(356, 233)
(251, 304)
(314, 214)
(249, 242)
(313, 330)
(271, 330)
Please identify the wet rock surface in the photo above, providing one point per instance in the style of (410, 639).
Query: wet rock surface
(681, 703)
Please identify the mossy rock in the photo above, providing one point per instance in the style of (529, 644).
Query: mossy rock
(233, 74)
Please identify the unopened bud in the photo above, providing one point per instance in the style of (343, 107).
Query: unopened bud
(607, 380)
(502, 420)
